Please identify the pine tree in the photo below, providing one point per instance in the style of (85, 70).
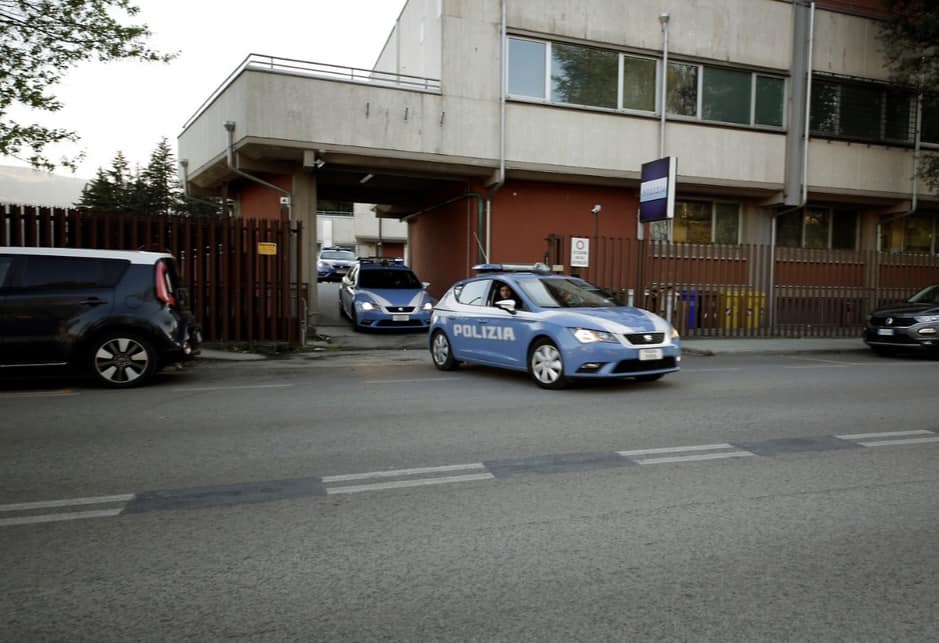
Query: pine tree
(163, 193)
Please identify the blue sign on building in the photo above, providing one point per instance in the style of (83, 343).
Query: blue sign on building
(657, 190)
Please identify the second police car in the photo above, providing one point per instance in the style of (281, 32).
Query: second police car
(556, 327)
(382, 293)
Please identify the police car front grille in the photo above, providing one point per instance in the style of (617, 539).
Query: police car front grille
(639, 339)
(637, 366)
(399, 309)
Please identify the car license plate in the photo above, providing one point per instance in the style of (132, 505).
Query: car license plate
(885, 331)
(400, 317)
(646, 354)
(340, 271)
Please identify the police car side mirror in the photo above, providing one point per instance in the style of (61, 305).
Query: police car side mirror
(425, 284)
(507, 305)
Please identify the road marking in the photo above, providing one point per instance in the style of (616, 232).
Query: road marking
(831, 361)
(77, 515)
(700, 456)
(395, 473)
(885, 443)
(398, 484)
(73, 502)
(35, 394)
(232, 388)
(886, 434)
(413, 381)
(710, 370)
(697, 447)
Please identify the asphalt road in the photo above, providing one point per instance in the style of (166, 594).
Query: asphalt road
(368, 496)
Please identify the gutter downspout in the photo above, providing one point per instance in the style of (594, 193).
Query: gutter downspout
(484, 253)
(230, 159)
(184, 163)
(805, 169)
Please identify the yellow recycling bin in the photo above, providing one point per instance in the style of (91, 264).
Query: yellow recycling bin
(741, 309)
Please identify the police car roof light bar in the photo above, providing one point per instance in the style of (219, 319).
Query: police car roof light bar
(384, 261)
(537, 268)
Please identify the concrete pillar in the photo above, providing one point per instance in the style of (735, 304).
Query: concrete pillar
(798, 72)
(304, 211)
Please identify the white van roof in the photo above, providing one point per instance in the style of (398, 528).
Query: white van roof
(133, 256)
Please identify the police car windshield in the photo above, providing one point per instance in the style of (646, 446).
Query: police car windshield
(564, 292)
(338, 254)
(388, 279)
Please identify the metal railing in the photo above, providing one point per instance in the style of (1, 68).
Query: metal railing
(294, 67)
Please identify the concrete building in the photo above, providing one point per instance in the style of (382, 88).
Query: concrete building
(360, 230)
(489, 125)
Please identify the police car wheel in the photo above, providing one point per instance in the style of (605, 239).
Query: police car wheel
(441, 353)
(546, 365)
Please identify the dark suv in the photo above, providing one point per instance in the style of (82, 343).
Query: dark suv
(115, 314)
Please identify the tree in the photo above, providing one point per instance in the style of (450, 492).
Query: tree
(40, 40)
(162, 193)
(111, 190)
(910, 38)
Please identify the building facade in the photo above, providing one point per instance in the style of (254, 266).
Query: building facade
(491, 126)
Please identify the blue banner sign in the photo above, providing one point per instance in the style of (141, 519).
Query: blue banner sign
(657, 190)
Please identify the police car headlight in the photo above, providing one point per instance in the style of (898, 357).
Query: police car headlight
(675, 334)
(367, 305)
(588, 336)
(927, 319)
(428, 306)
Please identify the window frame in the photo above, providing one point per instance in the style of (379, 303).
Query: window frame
(831, 212)
(713, 203)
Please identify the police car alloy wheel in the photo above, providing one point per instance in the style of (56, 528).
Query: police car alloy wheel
(546, 365)
(441, 353)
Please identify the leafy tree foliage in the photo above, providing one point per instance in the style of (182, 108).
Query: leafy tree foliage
(154, 189)
(910, 38)
(40, 40)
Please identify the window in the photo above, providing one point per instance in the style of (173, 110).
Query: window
(682, 93)
(725, 95)
(770, 99)
(638, 83)
(817, 227)
(474, 293)
(930, 123)
(913, 233)
(701, 222)
(583, 75)
(861, 111)
(526, 68)
(70, 272)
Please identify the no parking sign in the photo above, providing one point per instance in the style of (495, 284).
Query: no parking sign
(580, 252)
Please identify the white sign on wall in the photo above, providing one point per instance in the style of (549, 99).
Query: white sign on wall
(580, 252)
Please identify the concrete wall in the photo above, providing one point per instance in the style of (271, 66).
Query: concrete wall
(848, 45)
(414, 45)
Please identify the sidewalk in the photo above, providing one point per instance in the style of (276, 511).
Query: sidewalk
(332, 339)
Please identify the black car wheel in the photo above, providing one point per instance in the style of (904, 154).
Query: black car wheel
(122, 360)
(441, 352)
(546, 365)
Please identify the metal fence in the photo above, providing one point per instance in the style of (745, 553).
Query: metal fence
(751, 290)
(236, 291)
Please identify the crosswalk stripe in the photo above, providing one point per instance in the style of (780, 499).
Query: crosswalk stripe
(59, 517)
(399, 484)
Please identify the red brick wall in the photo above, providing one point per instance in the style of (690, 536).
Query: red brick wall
(440, 244)
(260, 202)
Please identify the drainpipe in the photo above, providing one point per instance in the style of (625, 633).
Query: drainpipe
(230, 159)
(483, 254)
(184, 163)
(805, 168)
(663, 20)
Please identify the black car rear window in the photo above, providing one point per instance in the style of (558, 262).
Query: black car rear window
(47, 273)
(389, 279)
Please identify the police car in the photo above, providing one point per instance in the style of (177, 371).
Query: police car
(383, 293)
(557, 327)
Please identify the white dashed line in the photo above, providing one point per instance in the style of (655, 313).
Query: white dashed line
(697, 447)
(400, 473)
(71, 502)
(887, 443)
(77, 515)
(398, 484)
(887, 434)
(700, 456)
(231, 388)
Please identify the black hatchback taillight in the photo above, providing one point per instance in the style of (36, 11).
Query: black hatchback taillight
(164, 287)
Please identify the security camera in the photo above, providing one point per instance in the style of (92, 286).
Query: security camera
(596, 209)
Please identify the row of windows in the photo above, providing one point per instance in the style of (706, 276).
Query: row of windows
(701, 222)
(814, 227)
(594, 77)
(870, 112)
(914, 233)
(570, 74)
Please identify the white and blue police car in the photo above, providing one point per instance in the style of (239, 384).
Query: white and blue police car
(382, 293)
(557, 327)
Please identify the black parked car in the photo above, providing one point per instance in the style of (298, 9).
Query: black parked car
(114, 314)
(913, 324)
